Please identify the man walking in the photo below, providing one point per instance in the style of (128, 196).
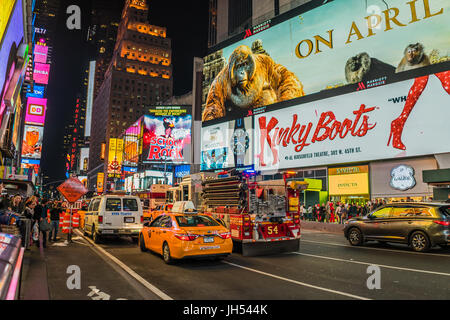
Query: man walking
(55, 212)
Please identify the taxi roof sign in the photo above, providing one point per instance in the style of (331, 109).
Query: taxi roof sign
(72, 189)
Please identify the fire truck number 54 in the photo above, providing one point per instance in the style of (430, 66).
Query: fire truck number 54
(272, 230)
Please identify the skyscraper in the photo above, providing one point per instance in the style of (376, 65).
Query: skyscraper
(140, 73)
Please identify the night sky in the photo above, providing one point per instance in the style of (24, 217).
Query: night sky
(187, 26)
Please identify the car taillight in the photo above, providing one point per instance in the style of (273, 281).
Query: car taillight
(100, 219)
(142, 219)
(443, 223)
(186, 237)
(225, 235)
(296, 221)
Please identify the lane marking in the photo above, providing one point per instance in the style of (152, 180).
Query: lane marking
(379, 249)
(370, 264)
(132, 273)
(297, 282)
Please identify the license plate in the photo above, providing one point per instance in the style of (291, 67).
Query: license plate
(208, 239)
(129, 220)
(210, 248)
(108, 231)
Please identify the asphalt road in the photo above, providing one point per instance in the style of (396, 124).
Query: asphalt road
(325, 267)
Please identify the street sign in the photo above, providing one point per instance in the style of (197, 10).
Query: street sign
(72, 189)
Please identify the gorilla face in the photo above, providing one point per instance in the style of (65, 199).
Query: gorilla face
(242, 69)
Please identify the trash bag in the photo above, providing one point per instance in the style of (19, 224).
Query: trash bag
(36, 232)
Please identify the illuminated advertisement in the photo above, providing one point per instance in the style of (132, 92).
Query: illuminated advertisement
(38, 92)
(16, 126)
(35, 113)
(83, 180)
(90, 99)
(12, 35)
(84, 159)
(6, 7)
(40, 53)
(31, 164)
(40, 73)
(348, 180)
(167, 134)
(100, 179)
(403, 119)
(363, 43)
(32, 141)
(115, 156)
(131, 144)
(227, 144)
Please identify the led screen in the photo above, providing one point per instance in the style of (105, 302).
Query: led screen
(32, 141)
(35, 113)
(167, 134)
(40, 73)
(404, 119)
(365, 43)
(40, 53)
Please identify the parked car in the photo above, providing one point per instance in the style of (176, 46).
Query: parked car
(184, 233)
(420, 225)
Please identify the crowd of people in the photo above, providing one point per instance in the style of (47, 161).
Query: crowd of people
(337, 212)
(44, 215)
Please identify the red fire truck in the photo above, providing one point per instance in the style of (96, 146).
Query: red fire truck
(263, 217)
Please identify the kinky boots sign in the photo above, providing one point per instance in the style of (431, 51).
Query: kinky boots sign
(363, 126)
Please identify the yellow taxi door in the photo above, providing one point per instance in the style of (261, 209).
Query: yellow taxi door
(164, 231)
(153, 233)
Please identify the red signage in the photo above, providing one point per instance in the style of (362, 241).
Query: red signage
(72, 189)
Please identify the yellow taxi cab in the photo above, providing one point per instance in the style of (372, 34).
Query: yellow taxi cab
(184, 233)
(159, 210)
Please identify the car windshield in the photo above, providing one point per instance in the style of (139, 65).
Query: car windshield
(195, 221)
(446, 211)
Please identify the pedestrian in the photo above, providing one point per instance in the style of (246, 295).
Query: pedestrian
(302, 212)
(322, 211)
(16, 204)
(344, 213)
(55, 212)
(40, 216)
(338, 213)
(327, 212)
(310, 213)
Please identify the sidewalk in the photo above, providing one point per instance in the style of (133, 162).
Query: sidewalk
(46, 274)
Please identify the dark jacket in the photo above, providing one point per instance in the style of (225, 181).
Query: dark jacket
(39, 212)
(54, 214)
(28, 213)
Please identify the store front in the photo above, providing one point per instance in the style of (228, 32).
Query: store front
(401, 180)
(349, 184)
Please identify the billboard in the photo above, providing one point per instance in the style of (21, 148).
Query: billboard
(35, 113)
(11, 35)
(115, 157)
(40, 53)
(31, 164)
(40, 73)
(6, 7)
(131, 144)
(84, 159)
(167, 134)
(100, 180)
(32, 141)
(90, 99)
(363, 42)
(38, 92)
(227, 144)
(404, 119)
